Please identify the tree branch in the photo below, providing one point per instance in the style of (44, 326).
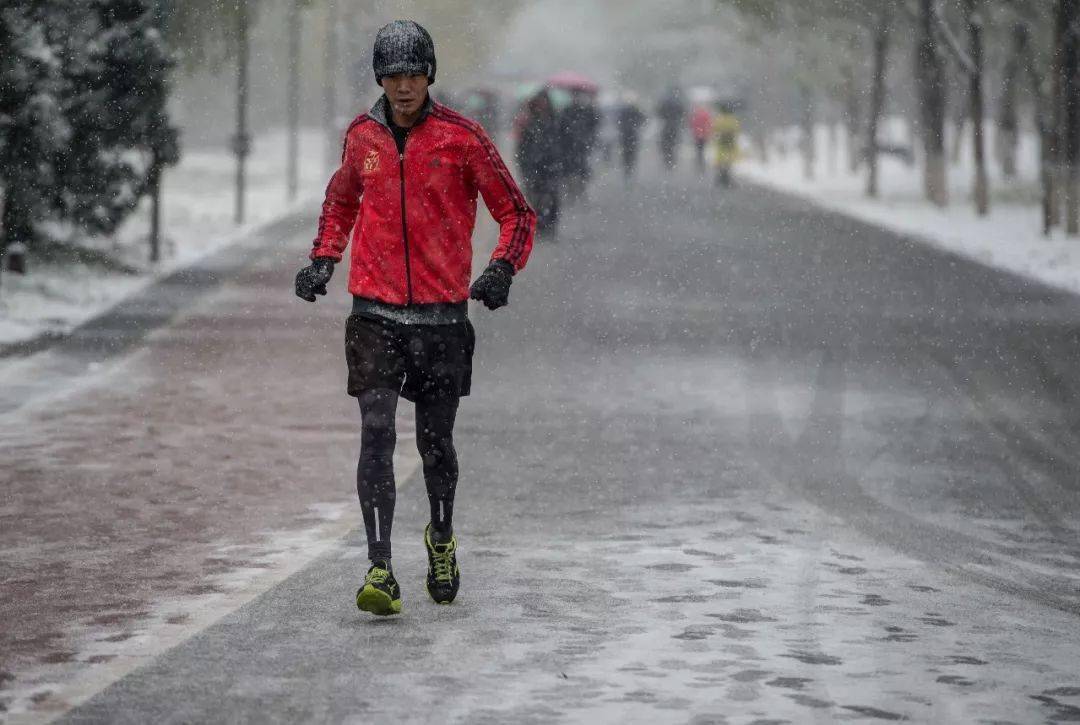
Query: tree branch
(1038, 90)
(952, 43)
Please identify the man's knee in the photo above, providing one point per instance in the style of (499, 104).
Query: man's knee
(436, 451)
(435, 447)
(378, 412)
(378, 423)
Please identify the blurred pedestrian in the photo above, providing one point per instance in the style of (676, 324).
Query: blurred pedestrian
(579, 124)
(701, 129)
(671, 113)
(482, 105)
(607, 137)
(410, 173)
(539, 157)
(726, 130)
(630, 120)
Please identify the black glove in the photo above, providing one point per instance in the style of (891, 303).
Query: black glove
(311, 280)
(493, 286)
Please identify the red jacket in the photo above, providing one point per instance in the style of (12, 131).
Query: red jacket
(701, 123)
(411, 216)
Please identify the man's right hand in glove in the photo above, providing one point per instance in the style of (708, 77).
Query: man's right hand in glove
(493, 286)
(311, 280)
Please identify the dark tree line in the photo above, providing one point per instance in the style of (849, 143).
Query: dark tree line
(1022, 56)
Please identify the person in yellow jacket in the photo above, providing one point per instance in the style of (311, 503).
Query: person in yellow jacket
(725, 142)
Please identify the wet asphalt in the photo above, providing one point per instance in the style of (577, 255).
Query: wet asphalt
(728, 458)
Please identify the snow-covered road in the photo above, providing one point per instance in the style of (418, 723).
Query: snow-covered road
(728, 459)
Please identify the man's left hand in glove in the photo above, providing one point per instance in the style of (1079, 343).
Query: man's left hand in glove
(493, 286)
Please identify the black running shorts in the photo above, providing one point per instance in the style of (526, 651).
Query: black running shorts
(422, 362)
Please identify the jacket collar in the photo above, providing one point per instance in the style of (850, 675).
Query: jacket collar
(381, 110)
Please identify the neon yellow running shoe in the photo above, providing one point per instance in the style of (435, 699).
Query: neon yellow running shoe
(443, 575)
(380, 594)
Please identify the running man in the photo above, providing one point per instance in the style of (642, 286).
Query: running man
(405, 194)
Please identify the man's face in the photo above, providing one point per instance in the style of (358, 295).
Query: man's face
(406, 93)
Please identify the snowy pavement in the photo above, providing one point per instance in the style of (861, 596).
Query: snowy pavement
(749, 462)
(162, 469)
(721, 609)
(1009, 238)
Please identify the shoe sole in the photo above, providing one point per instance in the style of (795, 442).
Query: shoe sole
(370, 599)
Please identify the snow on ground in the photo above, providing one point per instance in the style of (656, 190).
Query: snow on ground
(243, 530)
(197, 219)
(1009, 238)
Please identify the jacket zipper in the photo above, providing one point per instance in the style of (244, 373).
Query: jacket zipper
(401, 171)
(404, 224)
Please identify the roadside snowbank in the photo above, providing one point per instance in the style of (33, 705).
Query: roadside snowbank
(197, 218)
(1010, 238)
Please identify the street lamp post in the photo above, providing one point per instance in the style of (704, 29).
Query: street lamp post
(242, 139)
(330, 61)
(160, 22)
(293, 171)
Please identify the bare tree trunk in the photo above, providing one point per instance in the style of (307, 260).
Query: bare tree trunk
(959, 126)
(1070, 61)
(1043, 97)
(851, 117)
(331, 132)
(982, 186)
(292, 102)
(1046, 179)
(809, 145)
(242, 141)
(16, 229)
(1056, 120)
(155, 213)
(1008, 136)
(877, 96)
(3, 228)
(932, 100)
(833, 151)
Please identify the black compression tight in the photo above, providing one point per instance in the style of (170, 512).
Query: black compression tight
(375, 471)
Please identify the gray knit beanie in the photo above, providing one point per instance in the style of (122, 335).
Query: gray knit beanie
(403, 46)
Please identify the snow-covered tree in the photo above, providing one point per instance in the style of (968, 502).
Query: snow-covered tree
(117, 77)
(32, 124)
(84, 131)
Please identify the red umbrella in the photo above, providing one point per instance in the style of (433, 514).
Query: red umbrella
(573, 81)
